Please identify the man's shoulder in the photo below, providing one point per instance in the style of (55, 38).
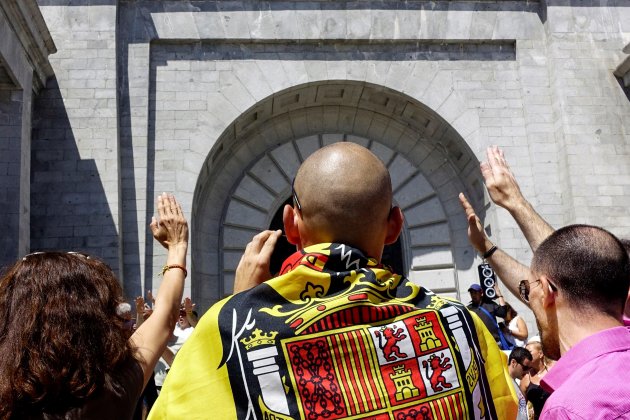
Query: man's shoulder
(599, 386)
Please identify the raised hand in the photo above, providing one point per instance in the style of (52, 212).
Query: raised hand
(188, 305)
(139, 304)
(188, 308)
(499, 179)
(476, 235)
(505, 192)
(253, 268)
(171, 229)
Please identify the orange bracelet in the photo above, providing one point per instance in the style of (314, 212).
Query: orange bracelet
(181, 267)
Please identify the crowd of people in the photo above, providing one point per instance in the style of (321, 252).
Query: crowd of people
(184, 327)
(334, 333)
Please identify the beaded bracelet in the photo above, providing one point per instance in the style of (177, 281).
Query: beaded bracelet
(168, 267)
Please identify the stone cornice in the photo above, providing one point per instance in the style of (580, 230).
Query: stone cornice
(29, 26)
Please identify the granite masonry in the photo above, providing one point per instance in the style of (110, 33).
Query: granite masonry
(220, 101)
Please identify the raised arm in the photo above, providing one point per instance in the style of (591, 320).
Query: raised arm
(253, 268)
(510, 271)
(505, 192)
(171, 230)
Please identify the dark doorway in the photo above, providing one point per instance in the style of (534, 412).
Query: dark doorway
(392, 254)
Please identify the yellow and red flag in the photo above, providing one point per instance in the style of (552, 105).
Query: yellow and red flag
(338, 336)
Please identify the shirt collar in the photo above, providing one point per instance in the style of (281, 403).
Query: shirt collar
(603, 342)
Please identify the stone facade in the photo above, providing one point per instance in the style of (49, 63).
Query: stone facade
(219, 102)
(25, 44)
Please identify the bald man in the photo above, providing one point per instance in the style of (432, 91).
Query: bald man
(335, 334)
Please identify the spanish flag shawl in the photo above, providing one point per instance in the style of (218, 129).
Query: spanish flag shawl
(334, 336)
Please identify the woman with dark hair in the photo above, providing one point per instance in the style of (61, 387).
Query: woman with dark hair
(64, 351)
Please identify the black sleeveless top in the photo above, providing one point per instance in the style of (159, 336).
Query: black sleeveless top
(537, 395)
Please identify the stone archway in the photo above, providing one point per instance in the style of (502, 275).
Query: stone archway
(248, 173)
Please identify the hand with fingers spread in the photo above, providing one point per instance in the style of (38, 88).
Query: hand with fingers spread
(253, 268)
(188, 309)
(188, 305)
(500, 182)
(505, 192)
(171, 230)
(476, 234)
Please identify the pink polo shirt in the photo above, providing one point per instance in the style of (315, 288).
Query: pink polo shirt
(591, 381)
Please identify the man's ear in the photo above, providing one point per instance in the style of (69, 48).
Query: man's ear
(549, 295)
(290, 219)
(394, 225)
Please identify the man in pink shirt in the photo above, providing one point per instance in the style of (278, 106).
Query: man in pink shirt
(577, 289)
(579, 314)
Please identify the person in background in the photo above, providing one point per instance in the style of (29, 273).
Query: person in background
(515, 328)
(123, 311)
(149, 394)
(530, 383)
(181, 333)
(65, 353)
(487, 310)
(190, 318)
(519, 365)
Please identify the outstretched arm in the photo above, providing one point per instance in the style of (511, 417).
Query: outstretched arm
(253, 268)
(151, 337)
(510, 271)
(505, 192)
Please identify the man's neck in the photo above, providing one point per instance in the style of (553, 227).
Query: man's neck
(574, 327)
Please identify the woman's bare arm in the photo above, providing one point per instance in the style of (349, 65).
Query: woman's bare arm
(171, 230)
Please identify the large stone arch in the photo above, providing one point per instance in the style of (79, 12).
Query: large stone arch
(247, 176)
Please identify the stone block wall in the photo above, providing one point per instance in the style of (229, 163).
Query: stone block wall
(75, 162)
(11, 102)
(25, 44)
(584, 47)
(194, 96)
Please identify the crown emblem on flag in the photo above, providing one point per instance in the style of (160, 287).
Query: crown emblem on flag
(399, 370)
(258, 338)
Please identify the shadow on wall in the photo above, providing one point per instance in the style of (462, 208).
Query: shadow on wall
(10, 150)
(69, 208)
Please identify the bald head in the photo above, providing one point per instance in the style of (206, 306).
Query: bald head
(345, 192)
